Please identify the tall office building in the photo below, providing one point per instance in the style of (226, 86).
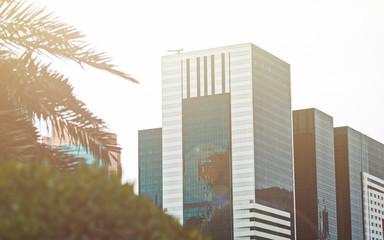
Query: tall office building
(373, 207)
(315, 184)
(359, 160)
(227, 143)
(150, 165)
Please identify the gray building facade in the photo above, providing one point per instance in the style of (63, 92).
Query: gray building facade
(315, 183)
(150, 165)
(355, 154)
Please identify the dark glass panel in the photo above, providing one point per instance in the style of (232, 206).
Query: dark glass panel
(150, 165)
(207, 165)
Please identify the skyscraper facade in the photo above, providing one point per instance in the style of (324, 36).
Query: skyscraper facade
(355, 155)
(207, 165)
(150, 165)
(315, 184)
(226, 142)
(373, 206)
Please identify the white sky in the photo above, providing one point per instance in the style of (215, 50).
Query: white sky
(335, 49)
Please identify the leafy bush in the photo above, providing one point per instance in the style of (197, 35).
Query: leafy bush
(39, 202)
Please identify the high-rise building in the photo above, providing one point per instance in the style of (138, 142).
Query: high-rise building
(373, 206)
(227, 143)
(315, 184)
(359, 159)
(150, 165)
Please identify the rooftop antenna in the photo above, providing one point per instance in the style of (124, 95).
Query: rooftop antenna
(176, 51)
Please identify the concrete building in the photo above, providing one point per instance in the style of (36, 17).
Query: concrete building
(373, 207)
(315, 183)
(227, 143)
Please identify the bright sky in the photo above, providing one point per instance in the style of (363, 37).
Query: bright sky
(335, 49)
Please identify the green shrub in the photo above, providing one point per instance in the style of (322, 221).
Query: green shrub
(39, 202)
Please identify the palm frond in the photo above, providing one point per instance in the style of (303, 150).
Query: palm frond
(60, 159)
(31, 90)
(18, 136)
(47, 95)
(27, 28)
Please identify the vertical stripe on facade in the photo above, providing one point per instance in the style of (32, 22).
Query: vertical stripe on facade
(229, 72)
(183, 79)
(198, 75)
(205, 77)
(193, 77)
(209, 76)
(213, 74)
(223, 72)
(188, 79)
(201, 66)
(218, 76)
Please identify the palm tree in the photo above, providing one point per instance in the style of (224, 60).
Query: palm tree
(30, 89)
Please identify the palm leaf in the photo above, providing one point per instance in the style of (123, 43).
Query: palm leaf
(18, 137)
(47, 95)
(31, 89)
(28, 28)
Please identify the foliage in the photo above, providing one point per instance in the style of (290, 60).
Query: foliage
(30, 40)
(39, 202)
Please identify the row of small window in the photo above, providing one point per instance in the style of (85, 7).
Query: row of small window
(378, 196)
(376, 225)
(376, 218)
(377, 232)
(375, 210)
(377, 203)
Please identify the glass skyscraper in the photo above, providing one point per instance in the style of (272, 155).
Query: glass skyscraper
(226, 142)
(356, 155)
(150, 165)
(315, 182)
